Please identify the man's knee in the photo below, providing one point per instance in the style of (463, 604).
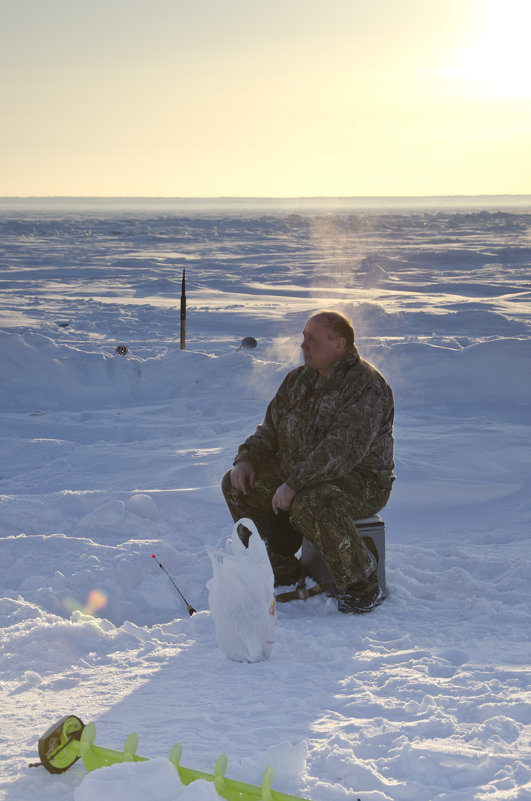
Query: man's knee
(330, 500)
(317, 500)
(226, 484)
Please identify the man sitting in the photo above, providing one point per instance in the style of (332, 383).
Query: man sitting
(321, 459)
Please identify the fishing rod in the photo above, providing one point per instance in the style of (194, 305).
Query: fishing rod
(190, 608)
(183, 311)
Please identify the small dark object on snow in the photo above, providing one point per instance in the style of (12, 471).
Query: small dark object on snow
(121, 350)
(248, 343)
(63, 325)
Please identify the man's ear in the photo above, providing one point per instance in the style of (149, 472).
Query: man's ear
(341, 343)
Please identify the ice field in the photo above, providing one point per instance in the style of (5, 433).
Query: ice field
(107, 459)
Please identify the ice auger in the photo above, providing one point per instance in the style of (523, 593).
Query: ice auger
(70, 739)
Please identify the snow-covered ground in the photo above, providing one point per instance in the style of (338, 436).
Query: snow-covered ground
(107, 459)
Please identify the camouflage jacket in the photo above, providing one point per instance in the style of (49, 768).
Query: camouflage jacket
(320, 429)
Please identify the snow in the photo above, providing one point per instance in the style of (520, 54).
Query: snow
(107, 459)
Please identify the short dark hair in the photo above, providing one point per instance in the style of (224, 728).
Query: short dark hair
(339, 323)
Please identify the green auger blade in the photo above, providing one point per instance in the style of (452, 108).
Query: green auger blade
(70, 739)
(231, 789)
(95, 756)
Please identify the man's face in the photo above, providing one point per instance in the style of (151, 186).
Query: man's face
(321, 348)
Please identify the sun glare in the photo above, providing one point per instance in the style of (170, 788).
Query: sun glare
(497, 63)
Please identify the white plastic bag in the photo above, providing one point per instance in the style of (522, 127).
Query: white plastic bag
(242, 598)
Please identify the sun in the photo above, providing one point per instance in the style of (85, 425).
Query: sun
(497, 62)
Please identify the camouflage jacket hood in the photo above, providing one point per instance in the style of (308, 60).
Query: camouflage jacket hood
(320, 429)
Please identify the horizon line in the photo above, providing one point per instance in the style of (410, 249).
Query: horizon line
(260, 197)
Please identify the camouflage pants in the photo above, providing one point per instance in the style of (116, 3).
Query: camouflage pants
(324, 514)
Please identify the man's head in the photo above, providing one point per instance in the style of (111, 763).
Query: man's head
(327, 336)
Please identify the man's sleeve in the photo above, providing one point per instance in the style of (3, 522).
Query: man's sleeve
(263, 443)
(347, 441)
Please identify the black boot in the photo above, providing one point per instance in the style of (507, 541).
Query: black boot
(361, 597)
(286, 569)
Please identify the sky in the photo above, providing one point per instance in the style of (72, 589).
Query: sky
(265, 98)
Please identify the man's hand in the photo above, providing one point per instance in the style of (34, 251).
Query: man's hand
(242, 477)
(283, 498)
